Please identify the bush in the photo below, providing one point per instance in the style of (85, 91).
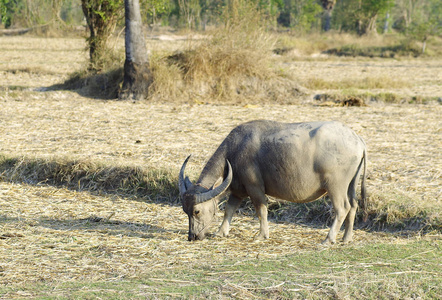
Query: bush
(234, 60)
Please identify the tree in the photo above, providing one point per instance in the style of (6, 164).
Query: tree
(299, 14)
(368, 12)
(361, 15)
(427, 22)
(5, 17)
(101, 17)
(154, 9)
(136, 66)
(405, 11)
(10, 11)
(190, 10)
(270, 9)
(39, 13)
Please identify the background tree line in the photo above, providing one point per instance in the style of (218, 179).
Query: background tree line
(420, 17)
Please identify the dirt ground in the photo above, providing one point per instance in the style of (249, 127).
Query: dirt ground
(54, 233)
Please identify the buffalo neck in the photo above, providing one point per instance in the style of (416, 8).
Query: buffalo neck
(213, 170)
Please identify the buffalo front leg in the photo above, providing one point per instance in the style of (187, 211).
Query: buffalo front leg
(231, 207)
(260, 203)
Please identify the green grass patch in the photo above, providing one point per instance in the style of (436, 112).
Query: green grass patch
(343, 44)
(341, 97)
(373, 271)
(13, 91)
(31, 70)
(360, 83)
(402, 49)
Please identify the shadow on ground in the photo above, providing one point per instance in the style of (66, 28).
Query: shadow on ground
(155, 184)
(103, 86)
(160, 186)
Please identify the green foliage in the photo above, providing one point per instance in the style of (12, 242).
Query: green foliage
(20, 13)
(4, 12)
(190, 11)
(375, 7)
(301, 15)
(71, 12)
(270, 9)
(417, 19)
(427, 23)
(308, 14)
(9, 11)
(104, 9)
(156, 9)
(361, 16)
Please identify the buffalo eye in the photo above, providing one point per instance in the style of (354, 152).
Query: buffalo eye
(196, 212)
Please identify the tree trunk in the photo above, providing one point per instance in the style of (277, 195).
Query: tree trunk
(327, 20)
(424, 45)
(328, 6)
(56, 10)
(387, 16)
(137, 77)
(371, 25)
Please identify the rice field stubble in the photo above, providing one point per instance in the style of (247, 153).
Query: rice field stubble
(59, 240)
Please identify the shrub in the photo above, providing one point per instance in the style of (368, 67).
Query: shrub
(233, 60)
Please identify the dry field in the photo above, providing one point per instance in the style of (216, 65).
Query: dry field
(57, 240)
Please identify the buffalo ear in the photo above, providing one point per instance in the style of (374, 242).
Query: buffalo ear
(187, 182)
(217, 183)
(200, 198)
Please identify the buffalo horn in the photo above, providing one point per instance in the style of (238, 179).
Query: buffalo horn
(183, 183)
(203, 197)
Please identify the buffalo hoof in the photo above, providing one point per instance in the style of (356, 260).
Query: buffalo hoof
(221, 234)
(327, 242)
(347, 241)
(260, 237)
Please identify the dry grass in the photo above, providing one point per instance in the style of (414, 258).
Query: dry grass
(56, 234)
(231, 62)
(69, 231)
(157, 184)
(338, 74)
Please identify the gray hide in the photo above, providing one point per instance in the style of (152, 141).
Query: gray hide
(298, 162)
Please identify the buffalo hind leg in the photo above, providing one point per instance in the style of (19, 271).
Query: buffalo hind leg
(231, 207)
(341, 205)
(350, 220)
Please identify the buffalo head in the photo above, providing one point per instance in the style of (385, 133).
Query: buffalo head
(200, 202)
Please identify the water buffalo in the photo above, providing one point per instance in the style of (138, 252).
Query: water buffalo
(298, 162)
